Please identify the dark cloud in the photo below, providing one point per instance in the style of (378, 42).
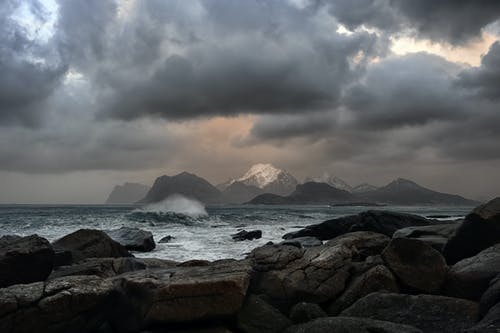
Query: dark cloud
(484, 80)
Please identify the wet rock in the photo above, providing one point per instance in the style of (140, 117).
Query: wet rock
(378, 278)
(430, 313)
(417, 265)
(258, 316)
(184, 294)
(24, 259)
(70, 304)
(435, 235)
(480, 230)
(166, 239)
(469, 278)
(348, 324)
(383, 222)
(88, 243)
(133, 239)
(247, 235)
(491, 297)
(102, 267)
(303, 242)
(304, 312)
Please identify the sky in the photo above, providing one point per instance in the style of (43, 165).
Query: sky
(100, 92)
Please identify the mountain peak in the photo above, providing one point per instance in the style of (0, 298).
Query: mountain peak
(261, 175)
(331, 180)
(404, 182)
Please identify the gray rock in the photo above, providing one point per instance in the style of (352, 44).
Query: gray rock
(491, 297)
(257, 316)
(247, 235)
(383, 222)
(378, 278)
(88, 243)
(133, 239)
(304, 312)
(348, 325)
(490, 322)
(302, 242)
(166, 239)
(184, 294)
(416, 264)
(469, 278)
(435, 235)
(24, 259)
(430, 313)
(102, 267)
(480, 230)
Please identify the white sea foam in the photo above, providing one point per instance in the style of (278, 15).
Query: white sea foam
(177, 204)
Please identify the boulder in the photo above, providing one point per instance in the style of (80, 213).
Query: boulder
(89, 243)
(491, 297)
(184, 294)
(102, 267)
(383, 222)
(416, 264)
(304, 312)
(71, 304)
(348, 324)
(302, 242)
(247, 235)
(430, 313)
(378, 278)
(490, 322)
(469, 278)
(366, 243)
(24, 259)
(166, 239)
(480, 230)
(435, 235)
(133, 239)
(258, 316)
(316, 274)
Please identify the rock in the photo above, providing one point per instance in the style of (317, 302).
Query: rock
(70, 304)
(435, 235)
(417, 265)
(184, 294)
(490, 297)
(24, 259)
(490, 322)
(134, 239)
(347, 325)
(102, 267)
(430, 313)
(303, 242)
(378, 278)
(316, 274)
(383, 222)
(166, 239)
(247, 235)
(258, 316)
(366, 243)
(88, 243)
(304, 312)
(469, 278)
(480, 230)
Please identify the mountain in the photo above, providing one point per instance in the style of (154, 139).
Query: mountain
(331, 180)
(267, 178)
(406, 192)
(307, 193)
(185, 184)
(239, 192)
(362, 188)
(127, 193)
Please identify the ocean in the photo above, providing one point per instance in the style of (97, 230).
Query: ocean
(199, 232)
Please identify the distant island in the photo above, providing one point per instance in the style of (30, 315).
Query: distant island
(264, 184)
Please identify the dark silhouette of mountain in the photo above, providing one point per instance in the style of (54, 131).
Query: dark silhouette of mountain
(406, 192)
(127, 193)
(185, 184)
(308, 193)
(239, 192)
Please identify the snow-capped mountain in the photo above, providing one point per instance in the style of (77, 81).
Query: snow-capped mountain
(331, 180)
(268, 178)
(363, 188)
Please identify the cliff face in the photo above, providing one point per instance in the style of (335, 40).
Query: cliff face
(127, 193)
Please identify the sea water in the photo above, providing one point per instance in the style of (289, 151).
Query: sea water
(198, 231)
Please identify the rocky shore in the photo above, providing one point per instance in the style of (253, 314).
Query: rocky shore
(372, 272)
